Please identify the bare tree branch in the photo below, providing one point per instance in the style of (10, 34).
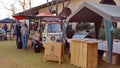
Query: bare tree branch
(22, 3)
(5, 6)
(12, 7)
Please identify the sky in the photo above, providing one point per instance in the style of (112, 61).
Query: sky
(6, 13)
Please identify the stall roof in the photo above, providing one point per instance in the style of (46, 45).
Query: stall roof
(92, 12)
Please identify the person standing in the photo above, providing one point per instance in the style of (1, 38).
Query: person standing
(11, 31)
(24, 32)
(3, 33)
(5, 27)
(17, 32)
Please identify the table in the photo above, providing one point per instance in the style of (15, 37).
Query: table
(102, 45)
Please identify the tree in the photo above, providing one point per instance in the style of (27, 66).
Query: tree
(24, 3)
(65, 10)
(13, 8)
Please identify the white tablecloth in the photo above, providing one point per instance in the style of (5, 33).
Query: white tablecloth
(102, 45)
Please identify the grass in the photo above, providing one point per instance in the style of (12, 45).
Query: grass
(11, 57)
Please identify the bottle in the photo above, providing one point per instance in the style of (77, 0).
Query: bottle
(104, 56)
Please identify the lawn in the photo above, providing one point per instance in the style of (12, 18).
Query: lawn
(11, 57)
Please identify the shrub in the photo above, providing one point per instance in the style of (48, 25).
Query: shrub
(82, 26)
(92, 33)
(117, 33)
(102, 34)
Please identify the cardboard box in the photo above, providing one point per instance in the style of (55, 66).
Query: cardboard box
(115, 58)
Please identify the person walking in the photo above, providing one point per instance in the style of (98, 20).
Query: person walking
(24, 32)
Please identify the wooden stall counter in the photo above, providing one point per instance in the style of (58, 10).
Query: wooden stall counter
(84, 54)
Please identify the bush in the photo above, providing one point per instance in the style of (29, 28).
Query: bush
(92, 33)
(82, 26)
(117, 33)
(102, 34)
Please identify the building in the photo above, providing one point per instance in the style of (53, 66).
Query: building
(74, 4)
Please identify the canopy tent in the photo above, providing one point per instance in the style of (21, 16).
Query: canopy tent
(92, 12)
(8, 20)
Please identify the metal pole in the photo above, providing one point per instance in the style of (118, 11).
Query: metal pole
(109, 36)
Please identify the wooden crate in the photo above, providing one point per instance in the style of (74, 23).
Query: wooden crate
(115, 58)
(84, 54)
(54, 51)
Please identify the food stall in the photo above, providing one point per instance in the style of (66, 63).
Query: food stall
(50, 33)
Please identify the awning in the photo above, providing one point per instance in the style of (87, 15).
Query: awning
(44, 17)
(18, 17)
(24, 16)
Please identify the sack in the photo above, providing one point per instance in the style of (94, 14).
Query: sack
(19, 45)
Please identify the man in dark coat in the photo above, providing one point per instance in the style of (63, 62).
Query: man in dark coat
(17, 31)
